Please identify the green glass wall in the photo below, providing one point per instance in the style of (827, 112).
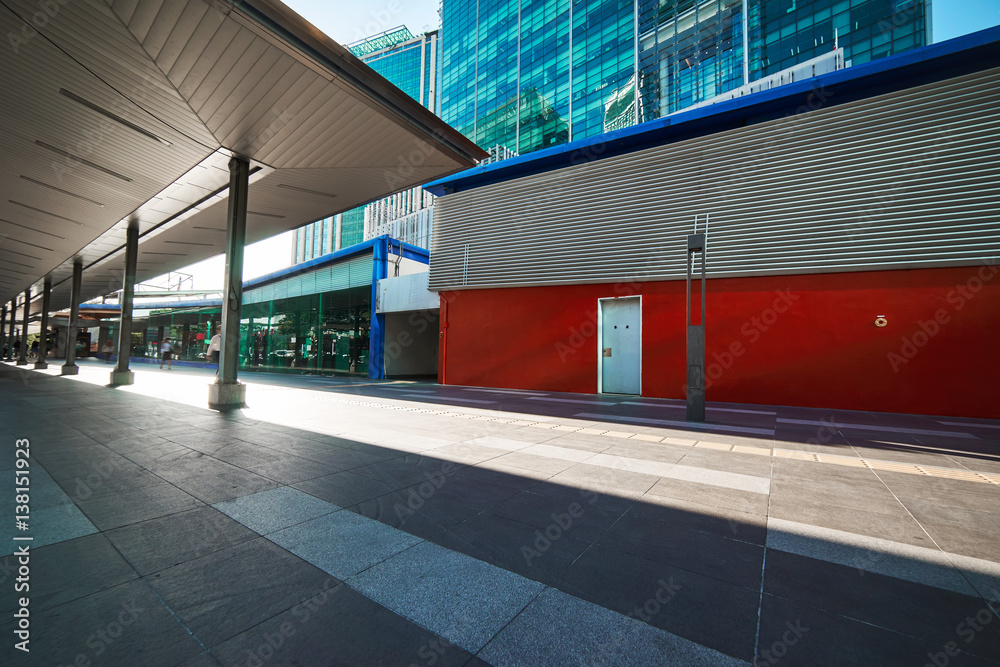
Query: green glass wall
(326, 332)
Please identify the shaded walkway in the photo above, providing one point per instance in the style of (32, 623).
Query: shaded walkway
(408, 523)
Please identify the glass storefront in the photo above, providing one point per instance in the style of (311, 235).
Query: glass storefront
(313, 333)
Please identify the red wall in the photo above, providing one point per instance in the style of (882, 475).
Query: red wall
(816, 346)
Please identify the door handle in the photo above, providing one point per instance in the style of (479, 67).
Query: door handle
(607, 352)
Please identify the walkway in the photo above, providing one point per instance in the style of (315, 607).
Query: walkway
(362, 523)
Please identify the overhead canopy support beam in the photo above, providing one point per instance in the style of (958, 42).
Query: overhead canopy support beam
(227, 392)
(121, 374)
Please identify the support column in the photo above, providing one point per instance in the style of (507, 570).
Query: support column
(13, 325)
(695, 337)
(70, 367)
(3, 331)
(227, 391)
(376, 333)
(121, 374)
(43, 337)
(22, 359)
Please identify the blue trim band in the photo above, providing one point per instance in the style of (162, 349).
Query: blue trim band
(928, 64)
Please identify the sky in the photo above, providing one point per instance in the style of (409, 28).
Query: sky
(348, 22)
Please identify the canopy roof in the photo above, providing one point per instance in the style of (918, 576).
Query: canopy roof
(121, 111)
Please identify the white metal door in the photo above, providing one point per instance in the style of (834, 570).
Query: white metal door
(621, 344)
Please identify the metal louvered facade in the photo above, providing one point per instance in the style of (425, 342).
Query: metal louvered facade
(906, 179)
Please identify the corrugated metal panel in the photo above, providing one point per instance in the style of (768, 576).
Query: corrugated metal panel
(354, 272)
(902, 180)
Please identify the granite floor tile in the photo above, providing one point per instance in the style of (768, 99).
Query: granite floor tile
(339, 625)
(464, 600)
(128, 507)
(227, 592)
(713, 613)
(343, 543)
(154, 545)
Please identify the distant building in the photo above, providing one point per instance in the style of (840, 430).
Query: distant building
(852, 246)
(534, 75)
(412, 64)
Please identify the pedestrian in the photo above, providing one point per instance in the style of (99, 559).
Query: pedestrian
(166, 354)
(108, 350)
(34, 349)
(214, 347)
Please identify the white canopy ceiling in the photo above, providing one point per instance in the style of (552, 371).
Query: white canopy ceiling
(129, 110)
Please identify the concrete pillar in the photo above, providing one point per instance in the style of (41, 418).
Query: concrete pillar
(121, 374)
(13, 324)
(43, 337)
(22, 359)
(70, 367)
(3, 329)
(227, 392)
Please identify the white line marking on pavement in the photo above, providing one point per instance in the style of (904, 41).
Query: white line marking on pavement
(572, 400)
(870, 427)
(968, 425)
(709, 409)
(696, 426)
(448, 398)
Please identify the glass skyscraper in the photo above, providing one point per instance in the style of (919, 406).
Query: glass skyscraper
(528, 74)
(517, 76)
(412, 64)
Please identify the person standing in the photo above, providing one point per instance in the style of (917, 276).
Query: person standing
(213, 349)
(108, 350)
(166, 354)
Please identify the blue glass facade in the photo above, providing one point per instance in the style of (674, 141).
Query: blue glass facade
(412, 64)
(528, 74)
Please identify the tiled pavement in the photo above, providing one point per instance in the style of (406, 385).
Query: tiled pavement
(359, 523)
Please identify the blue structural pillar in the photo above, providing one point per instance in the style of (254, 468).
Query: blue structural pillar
(376, 333)
(227, 392)
(43, 337)
(70, 367)
(22, 359)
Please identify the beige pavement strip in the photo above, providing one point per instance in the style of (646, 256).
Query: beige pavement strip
(847, 461)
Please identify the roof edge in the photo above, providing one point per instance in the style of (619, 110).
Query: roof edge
(284, 21)
(928, 64)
